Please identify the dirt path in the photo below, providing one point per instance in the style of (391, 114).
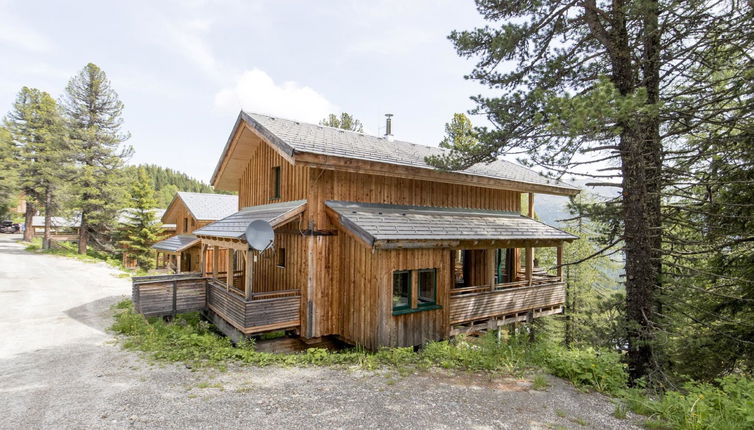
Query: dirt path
(60, 369)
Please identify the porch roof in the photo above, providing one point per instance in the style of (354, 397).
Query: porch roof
(177, 243)
(234, 226)
(396, 226)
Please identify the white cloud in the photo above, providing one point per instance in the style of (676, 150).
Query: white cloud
(256, 91)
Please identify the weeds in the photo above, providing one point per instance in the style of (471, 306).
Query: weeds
(539, 383)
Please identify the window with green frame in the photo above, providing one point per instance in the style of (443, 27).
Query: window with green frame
(414, 291)
(427, 288)
(401, 290)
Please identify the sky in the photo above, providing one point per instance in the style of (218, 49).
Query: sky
(184, 69)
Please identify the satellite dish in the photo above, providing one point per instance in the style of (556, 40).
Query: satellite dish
(259, 235)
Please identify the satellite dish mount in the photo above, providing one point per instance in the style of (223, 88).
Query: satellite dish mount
(260, 235)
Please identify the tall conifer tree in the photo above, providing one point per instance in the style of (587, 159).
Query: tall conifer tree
(37, 129)
(94, 114)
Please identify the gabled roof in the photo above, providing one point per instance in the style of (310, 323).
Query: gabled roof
(385, 226)
(177, 243)
(234, 226)
(294, 138)
(204, 206)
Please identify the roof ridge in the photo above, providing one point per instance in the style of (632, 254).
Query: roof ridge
(399, 144)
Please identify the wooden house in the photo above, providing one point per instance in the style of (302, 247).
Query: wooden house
(61, 228)
(179, 252)
(372, 245)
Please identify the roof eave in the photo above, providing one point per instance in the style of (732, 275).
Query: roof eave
(266, 135)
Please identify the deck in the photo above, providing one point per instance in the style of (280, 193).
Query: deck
(490, 306)
(165, 295)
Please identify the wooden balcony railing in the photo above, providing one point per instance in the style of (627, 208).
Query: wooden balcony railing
(170, 294)
(493, 301)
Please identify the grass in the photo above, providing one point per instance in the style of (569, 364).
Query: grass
(191, 340)
(539, 383)
(727, 404)
(620, 411)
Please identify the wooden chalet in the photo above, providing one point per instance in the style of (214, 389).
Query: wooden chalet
(372, 245)
(179, 252)
(61, 228)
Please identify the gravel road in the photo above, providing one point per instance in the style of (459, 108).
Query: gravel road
(59, 368)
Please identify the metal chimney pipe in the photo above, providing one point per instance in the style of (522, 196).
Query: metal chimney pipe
(389, 126)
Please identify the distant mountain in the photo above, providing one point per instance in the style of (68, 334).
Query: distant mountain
(553, 209)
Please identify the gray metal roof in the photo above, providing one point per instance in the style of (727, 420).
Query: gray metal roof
(294, 136)
(56, 221)
(380, 222)
(209, 207)
(235, 225)
(176, 243)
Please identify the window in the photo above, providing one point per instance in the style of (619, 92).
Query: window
(276, 182)
(401, 290)
(185, 225)
(427, 287)
(414, 291)
(503, 265)
(281, 257)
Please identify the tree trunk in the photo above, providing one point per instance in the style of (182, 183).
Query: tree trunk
(29, 218)
(48, 219)
(83, 234)
(639, 230)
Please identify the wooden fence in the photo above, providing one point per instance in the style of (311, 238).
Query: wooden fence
(164, 295)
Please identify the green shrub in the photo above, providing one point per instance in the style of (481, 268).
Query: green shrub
(729, 404)
(590, 368)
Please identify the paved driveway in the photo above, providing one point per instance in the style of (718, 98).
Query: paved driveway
(59, 368)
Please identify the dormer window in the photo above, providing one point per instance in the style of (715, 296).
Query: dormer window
(275, 182)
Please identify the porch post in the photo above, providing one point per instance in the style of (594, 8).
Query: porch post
(247, 279)
(178, 263)
(202, 259)
(560, 262)
(215, 260)
(529, 263)
(229, 268)
(530, 250)
(491, 267)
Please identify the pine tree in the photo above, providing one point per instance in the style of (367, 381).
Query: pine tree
(346, 122)
(608, 90)
(37, 129)
(142, 229)
(8, 173)
(93, 111)
(459, 137)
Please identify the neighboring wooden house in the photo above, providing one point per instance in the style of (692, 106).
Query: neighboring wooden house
(61, 228)
(188, 211)
(372, 245)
